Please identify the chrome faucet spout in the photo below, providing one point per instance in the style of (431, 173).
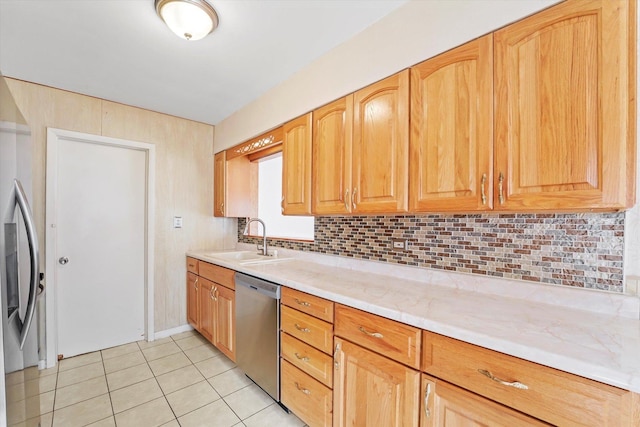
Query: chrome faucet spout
(264, 250)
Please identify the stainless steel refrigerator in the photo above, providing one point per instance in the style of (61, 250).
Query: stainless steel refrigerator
(20, 382)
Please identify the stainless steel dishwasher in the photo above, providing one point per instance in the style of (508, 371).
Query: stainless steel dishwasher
(258, 332)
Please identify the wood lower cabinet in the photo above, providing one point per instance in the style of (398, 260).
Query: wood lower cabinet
(225, 321)
(565, 108)
(192, 299)
(211, 304)
(545, 393)
(306, 364)
(445, 405)
(451, 147)
(296, 166)
(306, 397)
(206, 308)
(371, 390)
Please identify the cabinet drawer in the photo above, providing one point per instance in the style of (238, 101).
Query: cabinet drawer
(306, 397)
(312, 331)
(215, 273)
(192, 265)
(390, 338)
(551, 395)
(308, 359)
(315, 306)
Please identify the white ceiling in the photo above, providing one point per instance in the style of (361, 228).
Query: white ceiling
(121, 51)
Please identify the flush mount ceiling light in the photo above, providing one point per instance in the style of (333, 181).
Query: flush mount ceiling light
(188, 19)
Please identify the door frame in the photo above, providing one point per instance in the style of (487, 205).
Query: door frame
(53, 137)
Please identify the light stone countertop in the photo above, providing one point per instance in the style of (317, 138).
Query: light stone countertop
(588, 333)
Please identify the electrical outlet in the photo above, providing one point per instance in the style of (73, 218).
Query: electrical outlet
(177, 222)
(399, 244)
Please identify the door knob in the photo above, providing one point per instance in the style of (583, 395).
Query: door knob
(63, 260)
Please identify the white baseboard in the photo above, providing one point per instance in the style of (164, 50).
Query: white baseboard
(172, 331)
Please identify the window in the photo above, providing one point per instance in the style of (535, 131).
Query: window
(269, 207)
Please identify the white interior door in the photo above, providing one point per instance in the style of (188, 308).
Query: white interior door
(100, 240)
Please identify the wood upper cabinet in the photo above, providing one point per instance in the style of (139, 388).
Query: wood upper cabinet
(219, 183)
(296, 166)
(371, 390)
(452, 130)
(206, 308)
(445, 405)
(331, 165)
(235, 186)
(565, 108)
(225, 321)
(192, 299)
(381, 146)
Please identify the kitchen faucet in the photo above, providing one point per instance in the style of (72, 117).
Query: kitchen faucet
(264, 234)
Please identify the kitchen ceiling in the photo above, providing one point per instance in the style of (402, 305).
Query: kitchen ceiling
(120, 50)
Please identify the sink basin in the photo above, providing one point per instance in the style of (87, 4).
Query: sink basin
(245, 257)
(236, 255)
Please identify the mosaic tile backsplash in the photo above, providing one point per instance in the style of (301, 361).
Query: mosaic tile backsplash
(581, 250)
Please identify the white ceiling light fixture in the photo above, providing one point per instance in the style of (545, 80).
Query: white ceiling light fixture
(188, 19)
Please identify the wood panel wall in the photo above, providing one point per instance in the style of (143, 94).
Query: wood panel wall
(184, 184)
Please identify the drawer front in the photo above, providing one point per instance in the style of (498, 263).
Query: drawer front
(306, 397)
(390, 338)
(308, 359)
(315, 306)
(215, 273)
(192, 265)
(550, 395)
(312, 331)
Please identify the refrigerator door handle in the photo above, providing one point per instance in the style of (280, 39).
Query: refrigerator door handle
(32, 237)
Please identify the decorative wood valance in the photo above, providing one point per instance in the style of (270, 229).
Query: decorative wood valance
(254, 145)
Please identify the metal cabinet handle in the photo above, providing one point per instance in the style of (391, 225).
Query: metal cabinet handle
(427, 393)
(302, 303)
(214, 292)
(303, 358)
(195, 284)
(346, 200)
(353, 198)
(483, 181)
(336, 364)
(222, 207)
(371, 334)
(500, 183)
(514, 384)
(304, 390)
(282, 204)
(301, 329)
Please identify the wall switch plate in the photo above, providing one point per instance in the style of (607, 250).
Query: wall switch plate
(177, 222)
(399, 244)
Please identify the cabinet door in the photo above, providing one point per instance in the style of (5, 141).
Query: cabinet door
(296, 166)
(331, 164)
(445, 405)
(225, 327)
(564, 98)
(381, 145)
(205, 308)
(192, 299)
(452, 130)
(371, 390)
(219, 175)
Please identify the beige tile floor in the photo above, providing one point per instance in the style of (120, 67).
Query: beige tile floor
(176, 381)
